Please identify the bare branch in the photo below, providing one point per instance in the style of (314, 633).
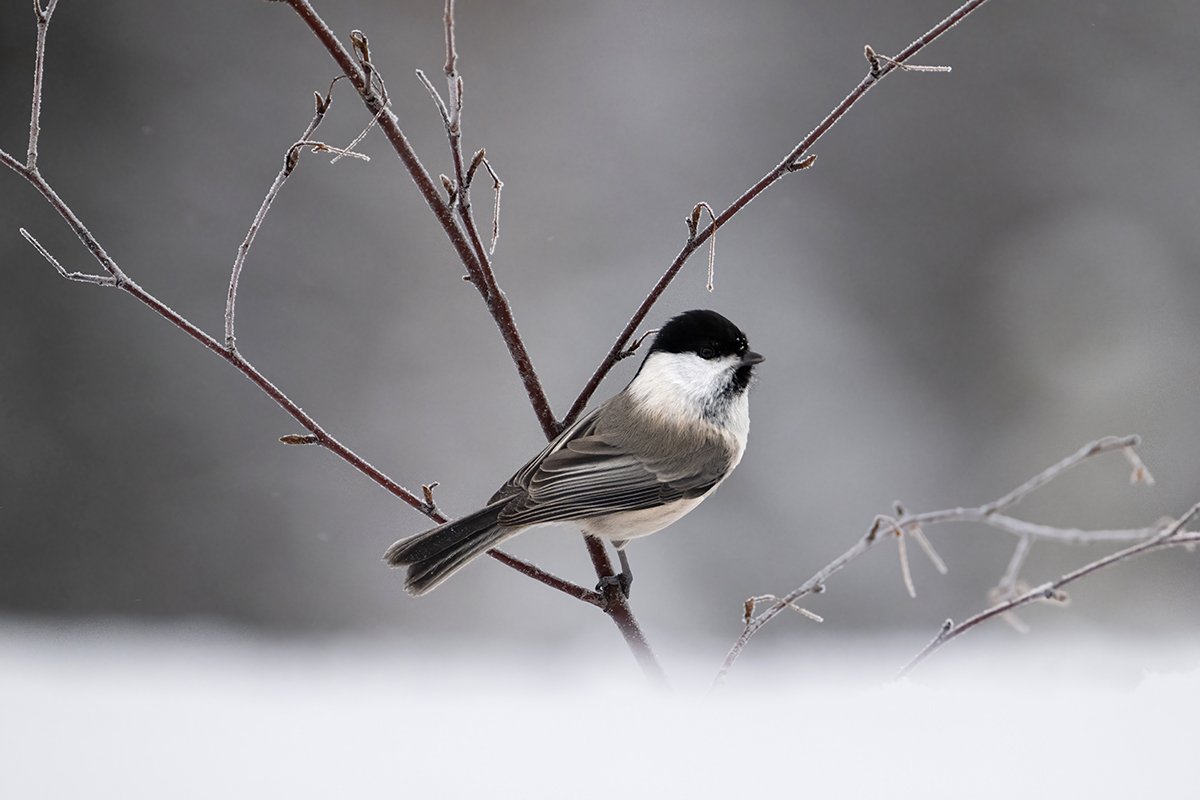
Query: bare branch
(1105, 445)
(693, 222)
(616, 606)
(289, 163)
(39, 63)
(753, 602)
(1174, 536)
(551, 580)
(1009, 586)
(984, 514)
(361, 73)
(908, 581)
(874, 58)
(437, 98)
(814, 585)
(497, 187)
(318, 435)
(918, 534)
(451, 53)
(348, 150)
(794, 161)
(82, 277)
(458, 222)
(1009, 580)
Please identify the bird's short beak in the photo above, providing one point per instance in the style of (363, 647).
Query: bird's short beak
(752, 357)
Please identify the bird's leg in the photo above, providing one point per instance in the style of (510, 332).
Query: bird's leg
(623, 579)
(626, 576)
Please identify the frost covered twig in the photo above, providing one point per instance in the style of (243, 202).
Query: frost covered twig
(987, 514)
(289, 163)
(1175, 535)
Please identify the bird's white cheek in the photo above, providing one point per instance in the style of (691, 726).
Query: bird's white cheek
(673, 385)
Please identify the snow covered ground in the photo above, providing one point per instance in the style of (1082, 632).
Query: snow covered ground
(123, 711)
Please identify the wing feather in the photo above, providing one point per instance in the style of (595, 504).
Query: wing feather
(590, 471)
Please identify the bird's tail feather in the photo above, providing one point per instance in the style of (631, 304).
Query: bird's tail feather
(436, 554)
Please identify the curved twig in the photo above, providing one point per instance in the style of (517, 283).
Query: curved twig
(289, 164)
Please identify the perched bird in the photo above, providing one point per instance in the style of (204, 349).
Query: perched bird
(631, 467)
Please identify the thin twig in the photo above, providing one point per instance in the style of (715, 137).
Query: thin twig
(904, 570)
(459, 224)
(795, 160)
(361, 74)
(1009, 585)
(348, 150)
(918, 534)
(289, 163)
(986, 514)
(39, 61)
(1140, 473)
(81, 277)
(497, 187)
(1173, 536)
(117, 278)
(753, 603)
(633, 348)
(451, 52)
(693, 224)
(1009, 580)
(814, 585)
(874, 59)
(437, 98)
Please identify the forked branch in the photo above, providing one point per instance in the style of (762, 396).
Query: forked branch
(903, 524)
(115, 277)
(458, 223)
(1174, 535)
(360, 71)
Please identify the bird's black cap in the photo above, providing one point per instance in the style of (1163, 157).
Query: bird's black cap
(703, 332)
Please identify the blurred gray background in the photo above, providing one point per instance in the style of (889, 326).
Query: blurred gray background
(985, 270)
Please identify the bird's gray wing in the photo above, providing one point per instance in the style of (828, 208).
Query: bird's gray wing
(587, 475)
(517, 483)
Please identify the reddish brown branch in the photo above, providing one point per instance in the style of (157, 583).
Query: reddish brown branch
(320, 436)
(613, 602)
(616, 606)
(794, 161)
(458, 223)
(479, 270)
(117, 278)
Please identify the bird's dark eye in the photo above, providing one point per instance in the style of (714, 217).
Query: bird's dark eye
(708, 351)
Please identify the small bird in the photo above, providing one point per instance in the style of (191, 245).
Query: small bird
(643, 459)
